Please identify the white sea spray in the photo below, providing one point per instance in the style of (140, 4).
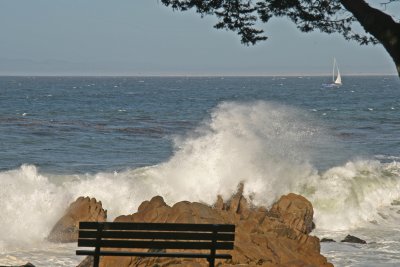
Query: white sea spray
(266, 146)
(30, 205)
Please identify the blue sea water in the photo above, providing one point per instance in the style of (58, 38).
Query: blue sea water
(91, 124)
(134, 137)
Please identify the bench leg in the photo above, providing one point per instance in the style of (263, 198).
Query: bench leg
(96, 259)
(211, 262)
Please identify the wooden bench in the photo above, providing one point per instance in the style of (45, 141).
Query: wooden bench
(204, 239)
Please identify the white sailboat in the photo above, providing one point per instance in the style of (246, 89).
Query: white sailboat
(338, 80)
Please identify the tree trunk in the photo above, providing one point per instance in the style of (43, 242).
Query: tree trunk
(378, 24)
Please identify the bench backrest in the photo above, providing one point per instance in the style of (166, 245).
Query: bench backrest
(158, 236)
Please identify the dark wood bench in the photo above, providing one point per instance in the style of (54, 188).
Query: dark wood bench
(204, 239)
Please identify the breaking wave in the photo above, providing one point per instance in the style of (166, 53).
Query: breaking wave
(266, 146)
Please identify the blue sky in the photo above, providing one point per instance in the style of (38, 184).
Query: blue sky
(143, 37)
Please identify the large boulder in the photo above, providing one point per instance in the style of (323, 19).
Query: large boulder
(279, 237)
(295, 211)
(83, 209)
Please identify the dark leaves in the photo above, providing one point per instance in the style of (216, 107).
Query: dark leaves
(242, 16)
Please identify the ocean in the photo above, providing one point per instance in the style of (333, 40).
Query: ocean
(124, 140)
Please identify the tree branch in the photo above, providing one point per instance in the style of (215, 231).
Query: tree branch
(379, 24)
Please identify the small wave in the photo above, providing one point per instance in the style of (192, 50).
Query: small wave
(387, 157)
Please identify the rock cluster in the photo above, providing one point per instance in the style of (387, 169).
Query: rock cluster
(347, 239)
(275, 237)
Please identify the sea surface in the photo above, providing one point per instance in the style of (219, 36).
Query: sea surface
(124, 140)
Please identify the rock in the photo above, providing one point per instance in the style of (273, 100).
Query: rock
(219, 204)
(395, 203)
(296, 211)
(87, 262)
(327, 240)
(83, 209)
(238, 204)
(261, 239)
(353, 239)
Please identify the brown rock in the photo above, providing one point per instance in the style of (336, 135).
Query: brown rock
(295, 211)
(279, 237)
(83, 209)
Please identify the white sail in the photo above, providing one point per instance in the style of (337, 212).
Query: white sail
(338, 80)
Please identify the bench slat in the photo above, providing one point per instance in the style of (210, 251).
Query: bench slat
(152, 254)
(182, 227)
(157, 235)
(154, 244)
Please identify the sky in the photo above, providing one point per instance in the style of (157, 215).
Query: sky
(143, 37)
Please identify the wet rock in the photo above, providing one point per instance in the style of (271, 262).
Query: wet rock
(327, 240)
(83, 209)
(395, 203)
(260, 239)
(296, 211)
(353, 239)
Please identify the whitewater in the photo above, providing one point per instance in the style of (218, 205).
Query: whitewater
(271, 146)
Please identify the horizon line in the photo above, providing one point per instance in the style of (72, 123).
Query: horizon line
(196, 75)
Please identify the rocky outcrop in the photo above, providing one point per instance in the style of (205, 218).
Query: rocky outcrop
(278, 237)
(83, 209)
(353, 239)
(327, 240)
(28, 264)
(295, 211)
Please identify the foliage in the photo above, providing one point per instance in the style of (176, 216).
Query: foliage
(243, 16)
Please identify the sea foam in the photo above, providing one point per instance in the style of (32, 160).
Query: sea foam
(266, 146)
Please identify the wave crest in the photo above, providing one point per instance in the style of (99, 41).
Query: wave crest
(266, 146)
